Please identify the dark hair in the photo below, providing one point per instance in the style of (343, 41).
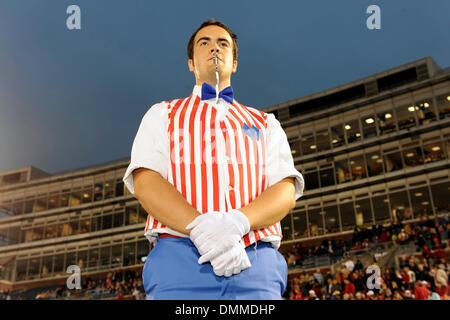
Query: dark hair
(212, 22)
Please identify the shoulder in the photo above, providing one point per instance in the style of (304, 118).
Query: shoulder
(260, 115)
(157, 110)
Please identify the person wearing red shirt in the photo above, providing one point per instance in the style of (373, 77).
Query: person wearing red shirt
(421, 292)
(349, 287)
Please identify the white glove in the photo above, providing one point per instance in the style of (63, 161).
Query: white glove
(215, 233)
(231, 262)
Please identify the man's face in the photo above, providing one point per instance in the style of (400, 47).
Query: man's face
(208, 40)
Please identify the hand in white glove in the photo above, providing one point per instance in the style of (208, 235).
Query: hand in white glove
(214, 233)
(231, 262)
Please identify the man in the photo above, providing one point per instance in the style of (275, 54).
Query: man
(216, 178)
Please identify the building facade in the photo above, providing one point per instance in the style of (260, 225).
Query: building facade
(376, 150)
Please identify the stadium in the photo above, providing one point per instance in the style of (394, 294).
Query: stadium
(375, 156)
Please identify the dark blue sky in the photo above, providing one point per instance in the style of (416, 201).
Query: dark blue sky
(75, 98)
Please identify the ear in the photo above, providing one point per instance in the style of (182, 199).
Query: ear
(191, 65)
(234, 65)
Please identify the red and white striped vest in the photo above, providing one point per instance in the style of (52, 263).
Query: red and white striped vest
(214, 164)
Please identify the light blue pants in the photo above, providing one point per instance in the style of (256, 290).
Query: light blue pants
(171, 272)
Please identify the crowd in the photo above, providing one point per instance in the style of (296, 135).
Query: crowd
(422, 276)
(118, 284)
(427, 234)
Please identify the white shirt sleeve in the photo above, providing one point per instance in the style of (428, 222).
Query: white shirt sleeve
(280, 163)
(151, 145)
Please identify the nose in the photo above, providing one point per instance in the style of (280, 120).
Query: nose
(215, 48)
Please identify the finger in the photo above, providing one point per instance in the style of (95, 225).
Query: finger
(228, 272)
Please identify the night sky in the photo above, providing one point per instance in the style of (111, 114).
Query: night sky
(75, 98)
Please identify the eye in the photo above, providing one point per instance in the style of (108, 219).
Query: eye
(225, 44)
(203, 43)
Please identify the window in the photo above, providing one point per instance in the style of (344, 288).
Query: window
(433, 152)
(109, 189)
(131, 215)
(353, 131)
(369, 126)
(105, 256)
(374, 163)
(40, 204)
(54, 202)
(386, 121)
(300, 226)
(118, 220)
(295, 148)
(286, 227)
(129, 254)
(347, 215)
(421, 203)
(116, 256)
(323, 140)
(405, 116)
(331, 219)
(315, 222)
(358, 168)
(381, 207)
(326, 177)
(441, 195)
(93, 258)
(443, 105)
(363, 208)
(143, 249)
(87, 196)
(425, 111)
(107, 222)
(119, 189)
(342, 171)
(399, 204)
(393, 161)
(413, 156)
(47, 266)
(311, 179)
(337, 136)
(98, 191)
(308, 144)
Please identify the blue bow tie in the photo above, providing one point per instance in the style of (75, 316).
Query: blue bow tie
(209, 92)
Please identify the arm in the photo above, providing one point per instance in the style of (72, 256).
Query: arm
(272, 205)
(160, 198)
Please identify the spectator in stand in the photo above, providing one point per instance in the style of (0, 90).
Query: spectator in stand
(349, 264)
(311, 295)
(426, 252)
(358, 281)
(441, 276)
(408, 295)
(120, 296)
(421, 292)
(397, 295)
(291, 259)
(349, 287)
(359, 296)
(385, 236)
(318, 276)
(411, 275)
(296, 293)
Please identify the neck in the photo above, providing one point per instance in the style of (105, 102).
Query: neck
(212, 81)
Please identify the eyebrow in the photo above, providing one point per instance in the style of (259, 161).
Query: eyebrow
(208, 38)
